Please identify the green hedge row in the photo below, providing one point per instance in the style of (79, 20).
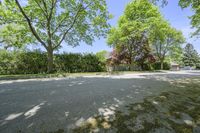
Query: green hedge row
(157, 66)
(36, 62)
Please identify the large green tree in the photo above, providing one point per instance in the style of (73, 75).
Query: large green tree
(102, 55)
(55, 22)
(166, 41)
(134, 30)
(190, 56)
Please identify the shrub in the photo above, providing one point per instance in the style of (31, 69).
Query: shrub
(33, 62)
(157, 66)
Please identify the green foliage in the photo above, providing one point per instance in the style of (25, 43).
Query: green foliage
(22, 62)
(34, 62)
(157, 66)
(80, 20)
(31, 62)
(134, 30)
(102, 55)
(167, 41)
(195, 18)
(14, 35)
(190, 56)
(54, 22)
(91, 63)
(78, 63)
(7, 62)
(142, 30)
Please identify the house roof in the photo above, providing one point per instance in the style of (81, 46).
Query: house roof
(174, 64)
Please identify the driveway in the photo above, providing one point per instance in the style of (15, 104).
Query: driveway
(50, 105)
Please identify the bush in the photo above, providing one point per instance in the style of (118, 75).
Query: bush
(8, 62)
(78, 63)
(157, 66)
(34, 62)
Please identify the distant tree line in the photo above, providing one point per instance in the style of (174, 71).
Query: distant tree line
(34, 62)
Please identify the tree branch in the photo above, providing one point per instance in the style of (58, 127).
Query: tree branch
(41, 8)
(74, 21)
(30, 24)
(45, 6)
(2, 41)
(53, 4)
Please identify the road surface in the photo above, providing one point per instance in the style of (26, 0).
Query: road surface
(48, 105)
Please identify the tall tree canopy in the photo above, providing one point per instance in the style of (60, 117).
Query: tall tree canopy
(190, 56)
(54, 22)
(102, 55)
(141, 28)
(134, 30)
(166, 41)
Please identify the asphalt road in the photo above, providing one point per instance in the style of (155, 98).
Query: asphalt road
(50, 105)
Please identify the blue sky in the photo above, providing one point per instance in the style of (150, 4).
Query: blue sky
(172, 12)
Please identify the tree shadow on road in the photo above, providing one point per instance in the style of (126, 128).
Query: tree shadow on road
(170, 112)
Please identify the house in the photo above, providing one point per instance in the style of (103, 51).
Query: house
(175, 66)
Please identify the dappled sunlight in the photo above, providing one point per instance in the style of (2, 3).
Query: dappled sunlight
(33, 110)
(118, 101)
(107, 112)
(72, 83)
(52, 92)
(102, 120)
(107, 66)
(28, 114)
(30, 125)
(97, 76)
(80, 122)
(35, 79)
(128, 76)
(107, 108)
(13, 116)
(175, 111)
(123, 76)
(10, 117)
(177, 82)
(161, 78)
(66, 114)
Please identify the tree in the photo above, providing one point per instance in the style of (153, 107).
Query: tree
(166, 41)
(102, 55)
(13, 35)
(116, 57)
(190, 56)
(134, 29)
(195, 18)
(54, 22)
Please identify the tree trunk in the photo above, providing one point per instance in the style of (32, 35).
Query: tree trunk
(129, 67)
(130, 63)
(50, 60)
(142, 66)
(161, 65)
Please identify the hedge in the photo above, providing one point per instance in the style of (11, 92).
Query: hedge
(35, 62)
